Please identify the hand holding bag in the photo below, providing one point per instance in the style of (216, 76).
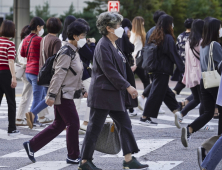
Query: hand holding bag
(211, 78)
(108, 140)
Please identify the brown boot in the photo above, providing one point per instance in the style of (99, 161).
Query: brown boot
(30, 118)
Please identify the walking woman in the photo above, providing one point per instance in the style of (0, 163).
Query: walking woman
(162, 68)
(111, 89)
(7, 72)
(27, 87)
(209, 96)
(192, 75)
(49, 46)
(31, 51)
(65, 82)
(138, 38)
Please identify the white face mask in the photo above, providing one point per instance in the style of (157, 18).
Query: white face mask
(81, 42)
(41, 32)
(220, 35)
(119, 32)
(172, 25)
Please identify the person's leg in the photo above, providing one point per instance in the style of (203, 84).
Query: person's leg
(144, 77)
(159, 88)
(208, 100)
(220, 121)
(25, 99)
(192, 104)
(49, 133)
(123, 123)
(86, 84)
(10, 97)
(96, 121)
(146, 91)
(37, 93)
(45, 111)
(170, 100)
(214, 156)
(179, 87)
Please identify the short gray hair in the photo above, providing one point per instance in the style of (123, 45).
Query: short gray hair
(108, 19)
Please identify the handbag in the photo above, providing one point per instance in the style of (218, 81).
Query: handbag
(108, 141)
(211, 78)
(19, 68)
(139, 59)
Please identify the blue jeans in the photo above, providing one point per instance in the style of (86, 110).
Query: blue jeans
(214, 156)
(37, 91)
(42, 105)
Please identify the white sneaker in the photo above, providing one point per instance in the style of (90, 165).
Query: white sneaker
(21, 122)
(178, 119)
(207, 128)
(13, 133)
(45, 120)
(161, 111)
(141, 103)
(83, 127)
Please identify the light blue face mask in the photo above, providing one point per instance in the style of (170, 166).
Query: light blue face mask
(172, 25)
(220, 35)
(126, 29)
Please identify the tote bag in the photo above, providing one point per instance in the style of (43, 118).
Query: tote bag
(108, 140)
(211, 78)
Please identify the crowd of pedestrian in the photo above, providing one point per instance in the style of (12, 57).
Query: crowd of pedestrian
(104, 74)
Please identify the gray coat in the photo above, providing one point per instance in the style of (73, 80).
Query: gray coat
(108, 85)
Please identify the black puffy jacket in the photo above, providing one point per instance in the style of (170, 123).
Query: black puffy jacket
(168, 56)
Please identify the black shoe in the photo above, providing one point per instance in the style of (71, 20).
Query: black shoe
(72, 161)
(147, 122)
(87, 166)
(134, 164)
(201, 155)
(185, 136)
(13, 133)
(29, 151)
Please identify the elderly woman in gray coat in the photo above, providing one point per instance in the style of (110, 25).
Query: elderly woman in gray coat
(111, 92)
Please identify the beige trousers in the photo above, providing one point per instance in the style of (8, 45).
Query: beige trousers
(26, 100)
(86, 84)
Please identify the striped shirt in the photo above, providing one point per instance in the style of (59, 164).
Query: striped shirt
(33, 55)
(7, 51)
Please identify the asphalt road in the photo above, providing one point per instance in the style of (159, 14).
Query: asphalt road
(160, 147)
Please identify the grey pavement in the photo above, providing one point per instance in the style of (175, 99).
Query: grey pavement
(160, 146)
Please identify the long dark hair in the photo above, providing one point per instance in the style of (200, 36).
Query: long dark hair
(163, 27)
(69, 19)
(196, 33)
(210, 31)
(36, 21)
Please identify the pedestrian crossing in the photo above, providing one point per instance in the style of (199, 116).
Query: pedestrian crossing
(147, 145)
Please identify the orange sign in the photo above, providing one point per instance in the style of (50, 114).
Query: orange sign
(113, 6)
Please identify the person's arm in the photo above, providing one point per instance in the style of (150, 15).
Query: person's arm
(23, 52)
(62, 65)
(105, 61)
(86, 52)
(174, 56)
(128, 46)
(11, 58)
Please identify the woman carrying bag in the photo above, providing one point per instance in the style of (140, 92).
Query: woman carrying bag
(209, 45)
(111, 90)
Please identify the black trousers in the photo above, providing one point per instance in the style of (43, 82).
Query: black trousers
(209, 97)
(144, 77)
(5, 88)
(179, 87)
(193, 103)
(190, 97)
(159, 92)
(96, 121)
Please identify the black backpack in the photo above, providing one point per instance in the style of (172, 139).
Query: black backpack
(149, 53)
(46, 72)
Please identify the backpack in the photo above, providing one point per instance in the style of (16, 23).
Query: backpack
(47, 70)
(149, 53)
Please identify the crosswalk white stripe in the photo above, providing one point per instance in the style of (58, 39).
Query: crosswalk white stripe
(171, 118)
(46, 165)
(4, 135)
(146, 146)
(162, 165)
(55, 144)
